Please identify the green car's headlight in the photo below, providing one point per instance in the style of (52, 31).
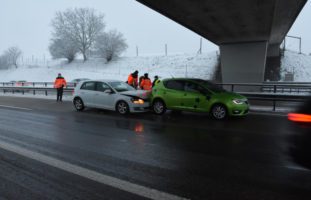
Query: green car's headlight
(238, 101)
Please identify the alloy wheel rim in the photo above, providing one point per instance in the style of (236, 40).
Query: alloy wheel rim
(158, 107)
(78, 104)
(219, 112)
(122, 108)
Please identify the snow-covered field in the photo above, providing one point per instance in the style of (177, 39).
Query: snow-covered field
(298, 64)
(182, 65)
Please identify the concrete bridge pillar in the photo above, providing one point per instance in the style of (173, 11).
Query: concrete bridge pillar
(243, 62)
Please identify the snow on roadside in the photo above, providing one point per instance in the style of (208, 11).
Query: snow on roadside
(298, 64)
(183, 65)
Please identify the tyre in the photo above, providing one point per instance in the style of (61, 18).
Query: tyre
(78, 103)
(122, 107)
(159, 107)
(219, 112)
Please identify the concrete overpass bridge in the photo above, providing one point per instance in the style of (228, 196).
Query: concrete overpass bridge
(247, 31)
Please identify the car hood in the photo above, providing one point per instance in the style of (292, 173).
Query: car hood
(143, 94)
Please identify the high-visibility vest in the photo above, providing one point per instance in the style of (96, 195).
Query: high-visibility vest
(60, 82)
(146, 84)
(131, 80)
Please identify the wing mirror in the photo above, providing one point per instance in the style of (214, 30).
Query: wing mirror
(108, 91)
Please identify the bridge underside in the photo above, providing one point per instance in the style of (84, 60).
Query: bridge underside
(237, 27)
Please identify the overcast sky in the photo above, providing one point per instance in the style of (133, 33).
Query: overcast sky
(27, 24)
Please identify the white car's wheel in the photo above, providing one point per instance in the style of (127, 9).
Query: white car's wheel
(219, 112)
(78, 103)
(122, 107)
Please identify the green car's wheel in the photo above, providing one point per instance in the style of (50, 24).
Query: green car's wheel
(159, 107)
(219, 111)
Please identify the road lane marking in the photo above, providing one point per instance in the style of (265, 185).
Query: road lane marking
(20, 108)
(92, 175)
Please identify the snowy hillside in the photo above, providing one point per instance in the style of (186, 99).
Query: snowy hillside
(298, 64)
(200, 66)
(183, 65)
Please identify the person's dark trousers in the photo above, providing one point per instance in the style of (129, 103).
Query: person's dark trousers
(60, 93)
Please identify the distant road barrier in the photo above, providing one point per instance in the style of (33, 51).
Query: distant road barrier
(270, 87)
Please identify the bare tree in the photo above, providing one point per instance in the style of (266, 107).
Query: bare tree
(60, 48)
(11, 55)
(110, 45)
(79, 25)
(4, 63)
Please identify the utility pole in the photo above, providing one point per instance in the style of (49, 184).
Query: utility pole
(137, 51)
(165, 49)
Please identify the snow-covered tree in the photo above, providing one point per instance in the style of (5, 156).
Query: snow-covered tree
(110, 45)
(62, 48)
(11, 56)
(80, 26)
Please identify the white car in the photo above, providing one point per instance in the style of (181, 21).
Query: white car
(110, 95)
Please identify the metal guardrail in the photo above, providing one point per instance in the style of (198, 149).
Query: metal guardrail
(34, 90)
(269, 87)
(33, 84)
(273, 97)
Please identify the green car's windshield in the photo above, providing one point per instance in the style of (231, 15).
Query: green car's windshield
(209, 85)
(120, 86)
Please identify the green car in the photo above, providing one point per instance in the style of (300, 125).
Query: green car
(187, 94)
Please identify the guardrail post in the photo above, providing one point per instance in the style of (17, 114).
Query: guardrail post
(46, 93)
(34, 92)
(23, 92)
(232, 87)
(274, 89)
(274, 104)
(45, 84)
(33, 84)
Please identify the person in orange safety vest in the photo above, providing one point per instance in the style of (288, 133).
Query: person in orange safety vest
(146, 83)
(59, 84)
(132, 79)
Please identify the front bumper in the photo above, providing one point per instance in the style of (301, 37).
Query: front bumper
(239, 110)
(137, 108)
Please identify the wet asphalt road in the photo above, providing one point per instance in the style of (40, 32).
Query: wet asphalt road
(188, 155)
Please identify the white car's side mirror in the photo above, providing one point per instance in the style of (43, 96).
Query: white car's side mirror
(108, 91)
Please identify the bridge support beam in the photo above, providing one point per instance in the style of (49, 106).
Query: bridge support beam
(243, 63)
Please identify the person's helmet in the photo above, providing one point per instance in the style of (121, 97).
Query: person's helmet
(146, 74)
(156, 77)
(59, 74)
(136, 72)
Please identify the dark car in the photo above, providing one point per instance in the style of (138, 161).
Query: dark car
(300, 141)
